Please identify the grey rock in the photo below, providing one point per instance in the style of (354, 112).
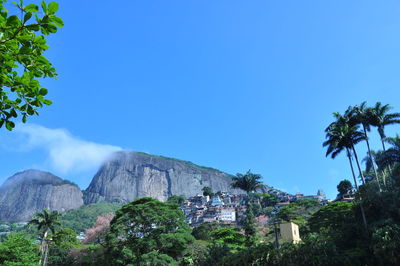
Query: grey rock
(129, 175)
(30, 191)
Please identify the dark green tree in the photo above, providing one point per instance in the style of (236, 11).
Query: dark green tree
(342, 135)
(380, 118)
(143, 226)
(22, 60)
(177, 199)
(344, 187)
(207, 191)
(249, 226)
(248, 182)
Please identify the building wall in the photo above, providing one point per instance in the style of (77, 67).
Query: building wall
(290, 232)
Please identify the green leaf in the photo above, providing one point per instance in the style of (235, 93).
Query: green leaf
(1, 123)
(51, 28)
(44, 7)
(53, 7)
(13, 113)
(10, 125)
(13, 21)
(27, 16)
(43, 91)
(31, 8)
(58, 21)
(47, 102)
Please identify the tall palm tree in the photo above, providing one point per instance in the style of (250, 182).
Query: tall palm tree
(340, 137)
(362, 117)
(379, 116)
(248, 182)
(343, 132)
(45, 222)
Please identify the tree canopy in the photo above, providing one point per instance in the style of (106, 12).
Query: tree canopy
(22, 60)
(143, 226)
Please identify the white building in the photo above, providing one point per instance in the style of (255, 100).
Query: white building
(227, 215)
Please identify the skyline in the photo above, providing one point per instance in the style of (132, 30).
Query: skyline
(226, 85)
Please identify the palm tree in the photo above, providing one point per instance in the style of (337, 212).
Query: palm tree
(340, 137)
(392, 155)
(45, 222)
(248, 182)
(361, 116)
(379, 117)
(343, 133)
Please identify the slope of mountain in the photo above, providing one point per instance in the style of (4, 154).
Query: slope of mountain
(30, 191)
(129, 175)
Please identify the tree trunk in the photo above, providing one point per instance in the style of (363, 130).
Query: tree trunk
(43, 248)
(352, 168)
(358, 165)
(355, 183)
(383, 137)
(372, 159)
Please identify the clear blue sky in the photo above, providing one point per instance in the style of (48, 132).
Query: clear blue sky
(233, 85)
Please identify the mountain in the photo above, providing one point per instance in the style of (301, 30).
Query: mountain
(129, 175)
(30, 191)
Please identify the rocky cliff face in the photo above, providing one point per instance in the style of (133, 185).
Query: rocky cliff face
(129, 175)
(29, 192)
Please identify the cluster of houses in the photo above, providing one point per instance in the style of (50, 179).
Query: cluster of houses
(227, 208)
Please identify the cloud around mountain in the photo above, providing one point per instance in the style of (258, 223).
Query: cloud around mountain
(65, 153)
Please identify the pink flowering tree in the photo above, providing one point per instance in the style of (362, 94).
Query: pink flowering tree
(97, 233)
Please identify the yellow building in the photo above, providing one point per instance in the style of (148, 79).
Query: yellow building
(289, 233)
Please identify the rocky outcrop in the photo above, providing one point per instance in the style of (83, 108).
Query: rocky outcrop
(129, 175)
(29, 192)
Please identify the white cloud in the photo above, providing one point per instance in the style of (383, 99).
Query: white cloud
(66, 153)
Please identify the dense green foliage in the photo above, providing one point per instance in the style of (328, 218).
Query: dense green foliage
(85, 217)
(143, 226)
(17, 250)
(22, 63)
(177, 199)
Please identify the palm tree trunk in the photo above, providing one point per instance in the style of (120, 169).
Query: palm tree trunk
(355, 183)
(372, 159)
(352, 168)
(382, 134)
(358, 165)
(43, 248)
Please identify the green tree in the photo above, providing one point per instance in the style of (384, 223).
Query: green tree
(177, 199)
(386, 243)
(22, 63)
(269, 200)
(344, 187)
(362, 116)
(248, 182)
(144, 225)
(45, 222)
(229, 237)
(17, 250)
(207, 191)
(203, 231)
(380, 118)
(249, 226)
(342, 135)
(62, 242)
